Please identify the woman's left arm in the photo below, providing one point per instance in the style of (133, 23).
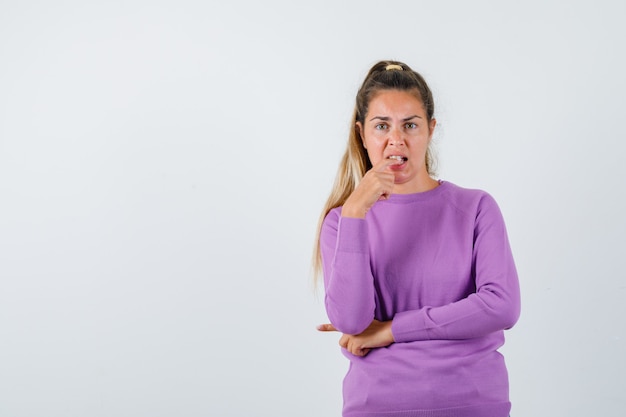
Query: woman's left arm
(493, 307)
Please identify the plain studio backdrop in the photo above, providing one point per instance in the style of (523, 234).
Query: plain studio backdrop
(163, 165)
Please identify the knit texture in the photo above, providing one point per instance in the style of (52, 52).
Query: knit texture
(439, 265)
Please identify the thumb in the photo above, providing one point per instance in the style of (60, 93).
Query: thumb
(326, 328)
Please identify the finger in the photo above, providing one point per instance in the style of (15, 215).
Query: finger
(383, 164)
(343, 341)
(327, 327)
(355, 347)
(360, 352)
(386, 191)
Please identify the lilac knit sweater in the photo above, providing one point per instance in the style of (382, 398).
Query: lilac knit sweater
(439, 265)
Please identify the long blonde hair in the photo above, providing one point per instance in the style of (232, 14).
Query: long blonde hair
(384, 75)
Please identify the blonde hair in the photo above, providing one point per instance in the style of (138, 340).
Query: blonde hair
(384, 75)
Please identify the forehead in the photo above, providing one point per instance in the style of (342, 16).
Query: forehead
(396, 103)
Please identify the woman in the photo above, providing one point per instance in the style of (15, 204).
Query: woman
(418, 273)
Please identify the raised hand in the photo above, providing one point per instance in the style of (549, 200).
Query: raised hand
(377, 184)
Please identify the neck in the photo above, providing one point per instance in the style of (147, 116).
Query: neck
(424, 183)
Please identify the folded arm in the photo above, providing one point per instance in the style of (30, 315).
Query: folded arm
(494, 306)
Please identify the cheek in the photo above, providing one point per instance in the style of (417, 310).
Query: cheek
(373, 146)
(373, 156)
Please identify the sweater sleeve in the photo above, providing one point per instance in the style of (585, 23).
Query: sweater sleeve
(349, 284)
(493, 307)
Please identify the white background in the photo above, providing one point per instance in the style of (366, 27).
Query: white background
(163, 165)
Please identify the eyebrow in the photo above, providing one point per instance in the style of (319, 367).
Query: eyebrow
(385, 118)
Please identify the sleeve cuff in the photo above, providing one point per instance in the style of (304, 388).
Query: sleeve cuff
(409, 327)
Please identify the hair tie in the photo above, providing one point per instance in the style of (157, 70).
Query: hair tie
(394, 67)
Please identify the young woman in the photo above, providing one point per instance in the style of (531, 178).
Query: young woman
(418, 272)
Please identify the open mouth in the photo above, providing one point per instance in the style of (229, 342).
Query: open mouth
(398, 158)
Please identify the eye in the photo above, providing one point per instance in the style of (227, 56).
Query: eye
(411, 126)
(380, 126)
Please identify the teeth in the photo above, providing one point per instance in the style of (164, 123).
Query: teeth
(398, 158)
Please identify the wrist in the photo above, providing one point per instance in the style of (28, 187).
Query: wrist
(349, 210)
(389, 331)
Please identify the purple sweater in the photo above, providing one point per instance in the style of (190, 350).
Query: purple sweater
(439, 265)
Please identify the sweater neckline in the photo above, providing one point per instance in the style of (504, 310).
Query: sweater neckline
(424, 195)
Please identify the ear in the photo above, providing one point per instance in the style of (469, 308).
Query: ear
(359, 129)
(431, 126)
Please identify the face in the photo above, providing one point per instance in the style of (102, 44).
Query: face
(396, 127)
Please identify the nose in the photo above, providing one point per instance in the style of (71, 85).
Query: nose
(396, 137)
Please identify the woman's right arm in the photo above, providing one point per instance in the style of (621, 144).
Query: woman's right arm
(350, 296)
(348, 280)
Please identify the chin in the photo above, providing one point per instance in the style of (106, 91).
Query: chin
(401, 179)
